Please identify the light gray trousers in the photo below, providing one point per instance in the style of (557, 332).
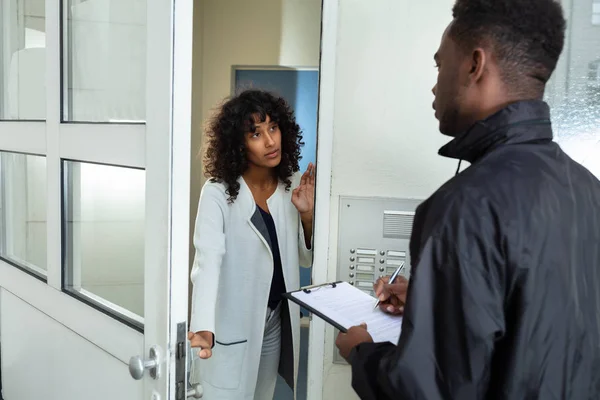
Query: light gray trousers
(269, 357)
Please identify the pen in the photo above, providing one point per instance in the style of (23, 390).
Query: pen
(392, 279)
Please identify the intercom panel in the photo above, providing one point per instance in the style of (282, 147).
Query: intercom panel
(374, 235)
(373, 240)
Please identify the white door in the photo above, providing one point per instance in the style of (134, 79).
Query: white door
(94, 198)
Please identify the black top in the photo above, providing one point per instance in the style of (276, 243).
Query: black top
(277, 282)
(504, 297)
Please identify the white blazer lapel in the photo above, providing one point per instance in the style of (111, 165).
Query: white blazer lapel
(258, 225)
(279, 214)
(255, 218)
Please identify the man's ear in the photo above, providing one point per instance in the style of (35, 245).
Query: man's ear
(479, 58)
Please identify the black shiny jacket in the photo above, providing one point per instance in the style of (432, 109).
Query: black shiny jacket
(504, 299)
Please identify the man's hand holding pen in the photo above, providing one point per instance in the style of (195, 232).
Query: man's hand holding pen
(391, 296)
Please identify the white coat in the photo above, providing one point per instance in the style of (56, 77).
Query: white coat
(231, 277)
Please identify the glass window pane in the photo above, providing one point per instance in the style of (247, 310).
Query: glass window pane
(104, 61)
(23, 211)
(22, 59)
(104, 232)
(574, 90)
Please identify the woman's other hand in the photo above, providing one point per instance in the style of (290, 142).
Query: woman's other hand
(303, 197)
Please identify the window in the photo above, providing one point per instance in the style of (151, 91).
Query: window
(574, 90)
(22, 59)
(23, 211)
(104, 66)
(596, 12)
(104, 210)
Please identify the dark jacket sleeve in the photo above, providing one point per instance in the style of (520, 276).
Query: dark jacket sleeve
(453, 315)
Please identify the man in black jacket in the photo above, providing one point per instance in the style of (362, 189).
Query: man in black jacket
(504, 297)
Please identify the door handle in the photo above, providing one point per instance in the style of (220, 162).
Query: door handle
(195, 392)
(137, 366)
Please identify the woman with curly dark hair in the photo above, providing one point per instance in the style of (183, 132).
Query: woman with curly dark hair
(253, 230)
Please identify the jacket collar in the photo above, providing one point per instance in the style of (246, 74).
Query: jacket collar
(520, 122)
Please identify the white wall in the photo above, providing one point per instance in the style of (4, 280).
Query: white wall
(45, 360)
(256, 32)
(385, 135)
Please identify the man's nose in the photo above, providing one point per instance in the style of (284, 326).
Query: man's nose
(434, 89)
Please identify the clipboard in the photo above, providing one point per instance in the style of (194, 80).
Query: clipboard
(309, 289)
(343, 306)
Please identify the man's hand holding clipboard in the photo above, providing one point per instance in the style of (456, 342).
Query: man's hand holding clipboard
(391, 298)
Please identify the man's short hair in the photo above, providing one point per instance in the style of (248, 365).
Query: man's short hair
(526, 36)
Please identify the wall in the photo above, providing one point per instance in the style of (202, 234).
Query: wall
(385, 134)
(242, 32)
(257, 32)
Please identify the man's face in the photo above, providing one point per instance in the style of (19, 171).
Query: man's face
(453, 92)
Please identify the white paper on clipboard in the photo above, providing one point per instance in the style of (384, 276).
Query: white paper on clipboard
(348, 306)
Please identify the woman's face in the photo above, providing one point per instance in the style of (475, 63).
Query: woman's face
(263, 146)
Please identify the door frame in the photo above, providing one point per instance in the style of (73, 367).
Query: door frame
(323, 201)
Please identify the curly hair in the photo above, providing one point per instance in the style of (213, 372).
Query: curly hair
(225, 158)
(526, 35)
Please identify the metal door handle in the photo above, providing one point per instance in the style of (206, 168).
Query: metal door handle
(195, 392)
(137, 366)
